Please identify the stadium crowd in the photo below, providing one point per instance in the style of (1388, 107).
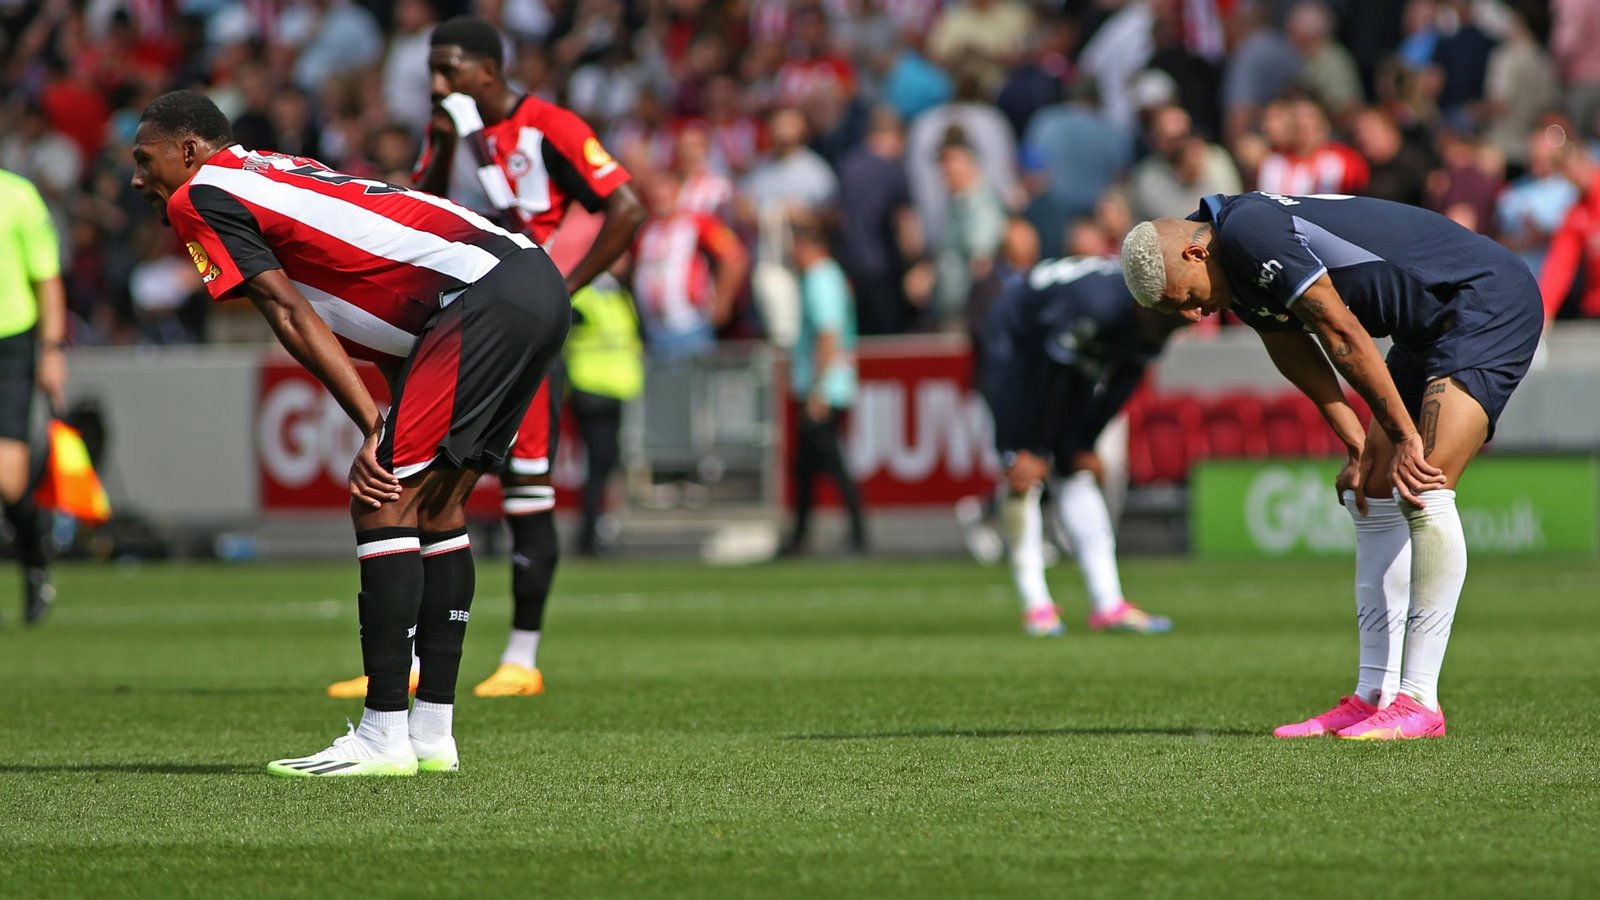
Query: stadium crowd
(945, 144)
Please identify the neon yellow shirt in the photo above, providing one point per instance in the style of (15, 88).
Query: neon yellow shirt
(603, 352)
(28, 252)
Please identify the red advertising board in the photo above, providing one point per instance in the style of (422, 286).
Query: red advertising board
(304, 444)
(919, 434)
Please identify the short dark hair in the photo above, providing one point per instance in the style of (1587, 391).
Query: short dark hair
(472, 34)
(179, 113)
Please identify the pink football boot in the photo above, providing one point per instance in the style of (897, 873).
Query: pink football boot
(1401, 720)
(1349, 711)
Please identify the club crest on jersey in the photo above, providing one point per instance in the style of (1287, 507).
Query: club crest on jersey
(209, 271)
(518, 163)
(1267, 313)
(597, 157)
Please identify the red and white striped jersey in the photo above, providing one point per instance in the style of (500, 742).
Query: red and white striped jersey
(376, 260)
(550, 157)
(1333, 168)
(671, 276)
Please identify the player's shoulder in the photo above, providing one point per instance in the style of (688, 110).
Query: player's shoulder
(550, 118)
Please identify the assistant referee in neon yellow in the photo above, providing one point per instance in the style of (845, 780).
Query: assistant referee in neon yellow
(33, 306)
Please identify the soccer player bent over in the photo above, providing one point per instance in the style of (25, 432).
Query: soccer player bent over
(1063, 349)
(523, 161)
(1465, 317)
(463, 317)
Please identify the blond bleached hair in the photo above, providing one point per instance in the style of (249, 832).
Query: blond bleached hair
(1144, 266)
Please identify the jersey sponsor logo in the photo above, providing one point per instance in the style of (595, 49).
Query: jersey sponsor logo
(209, 271)
(1269, 271)
(597, 157)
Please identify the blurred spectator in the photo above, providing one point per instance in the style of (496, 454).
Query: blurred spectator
(75, 108)
(912, 84)
(878, 226)
(1080, 152)
(1570, 282)
(983, 128)
(1180, 169)
(1465, 188)
(161, 285)
(332, 37)
(1312, 163)
(1531, 208)
(1399, 168)
(1421, 34)
(1327, 71)
(252, 99)
(1037, 80)
(1261, 65)
(293, 122)
(1462, 58)
(405, 69)
(812, 63)
(688, 270)
(30, 147)
(734, 134)
(1196, 75)
(822, 379)
(1575, 43)
(1521, 85)
(975, 223)
(985, 35)
(792, 174)
(604, 369)
(1118, 49)
(705, 189)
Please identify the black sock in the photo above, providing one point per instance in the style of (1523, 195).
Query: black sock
(448, 580)
(391, 596)
(535, 550)
(29, 526)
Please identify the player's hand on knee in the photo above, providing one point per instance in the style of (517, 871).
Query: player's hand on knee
(370, 482)
(1354, 477)
(1411, 473)
(1025, 471)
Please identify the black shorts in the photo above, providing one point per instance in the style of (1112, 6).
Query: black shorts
(468, 382)
(1486, 346)
(19, 361)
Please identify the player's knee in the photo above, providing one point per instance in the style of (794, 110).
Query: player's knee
(1086, 461)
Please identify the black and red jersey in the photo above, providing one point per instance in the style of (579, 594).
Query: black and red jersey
(550, 156)
(374, 259)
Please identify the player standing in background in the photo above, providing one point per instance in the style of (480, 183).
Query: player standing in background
(33, 321)
(1063, 348)
(1465, 316)
(463, 318)
(524, 161)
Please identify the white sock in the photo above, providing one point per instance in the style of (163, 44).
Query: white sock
(1438, 569)
(1383, 595)
(383, 730)
(1024, 532)
(522, 649)
(1083, 514)
(431, 722)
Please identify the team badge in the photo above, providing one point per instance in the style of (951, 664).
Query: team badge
(209, 271)
(518, 163)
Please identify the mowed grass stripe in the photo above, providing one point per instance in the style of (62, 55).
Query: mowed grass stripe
(871, 730)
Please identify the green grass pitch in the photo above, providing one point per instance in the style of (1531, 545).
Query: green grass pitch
(865, 730)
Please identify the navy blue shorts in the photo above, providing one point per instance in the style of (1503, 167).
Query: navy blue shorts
(1486, 347)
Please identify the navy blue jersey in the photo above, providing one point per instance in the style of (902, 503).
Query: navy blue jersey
(1062, 350)
(1398, 268)
(1073, 312)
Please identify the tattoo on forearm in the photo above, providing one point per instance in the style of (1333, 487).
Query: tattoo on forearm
(1343, 349)
(1313, 305)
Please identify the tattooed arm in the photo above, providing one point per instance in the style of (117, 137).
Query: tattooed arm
(1353, 354)
(1296, 356)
